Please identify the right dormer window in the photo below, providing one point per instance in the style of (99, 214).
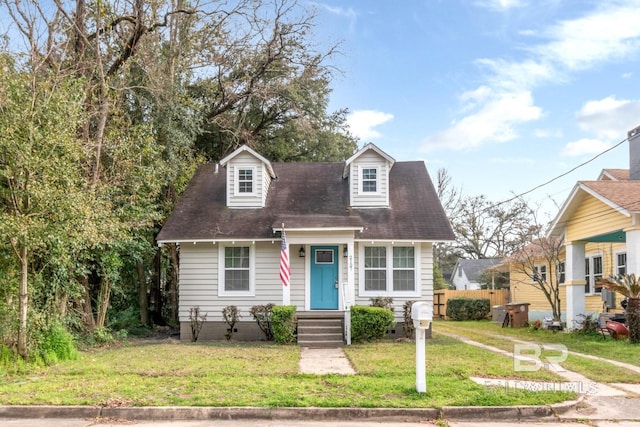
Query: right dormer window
(369, 180)
(245, 181)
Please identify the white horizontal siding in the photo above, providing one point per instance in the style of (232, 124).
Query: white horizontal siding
(245, 161)
(199, 281)
(381, 199)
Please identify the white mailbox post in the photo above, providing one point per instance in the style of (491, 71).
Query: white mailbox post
(421, 314)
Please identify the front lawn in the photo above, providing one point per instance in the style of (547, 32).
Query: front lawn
(228, 374)
(495, 335)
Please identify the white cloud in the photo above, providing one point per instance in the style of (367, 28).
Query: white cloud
(362, 123)
(606, 34)
(519, 75)
(500, 5)
(584, 146)
(548, 133)
(494, 121)
(348, 13)
(627, 75)
(611, 32)
(609, 118)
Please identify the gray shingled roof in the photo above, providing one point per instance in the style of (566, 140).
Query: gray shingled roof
(309, 195)
(474, 267)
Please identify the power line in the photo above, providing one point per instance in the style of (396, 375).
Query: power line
(561, 175)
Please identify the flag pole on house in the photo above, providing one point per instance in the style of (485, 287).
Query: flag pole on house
(285, 270)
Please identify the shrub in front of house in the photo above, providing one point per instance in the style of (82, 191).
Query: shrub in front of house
(231, 316)
(370, 323)
(262, 315)
(468, 308)
(283, 323)
(384, 302)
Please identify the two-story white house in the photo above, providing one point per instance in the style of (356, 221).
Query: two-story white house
(354, 230)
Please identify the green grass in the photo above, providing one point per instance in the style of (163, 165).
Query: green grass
(492, 334)
(227, 374)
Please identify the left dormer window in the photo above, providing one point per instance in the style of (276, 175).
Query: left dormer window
(245, 181)
(369, 180)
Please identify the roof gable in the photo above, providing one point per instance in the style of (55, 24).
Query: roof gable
(247, 149)
(369, 146)
(614, 175)
(621, 196)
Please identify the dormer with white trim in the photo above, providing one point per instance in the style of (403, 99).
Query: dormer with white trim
(368, 174)
(249, 176)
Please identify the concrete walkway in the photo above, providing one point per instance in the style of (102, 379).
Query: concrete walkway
(321, 361)
(599, 401)
(573, 381)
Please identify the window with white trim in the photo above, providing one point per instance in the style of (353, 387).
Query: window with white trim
(593, 272)
(236, 270)
(369, 179)
(389, 270)
(621, 263)
(375, 268)
(404, 269)
(245, 181)
(560, 273)
(539, 273)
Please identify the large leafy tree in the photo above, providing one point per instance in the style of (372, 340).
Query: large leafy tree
(168, 84)
(46, 217)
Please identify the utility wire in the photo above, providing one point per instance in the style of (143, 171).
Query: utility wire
(561, 175)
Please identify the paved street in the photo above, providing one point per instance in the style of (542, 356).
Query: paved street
(295, 423)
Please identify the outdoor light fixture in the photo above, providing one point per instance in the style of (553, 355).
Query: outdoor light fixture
(345, 252)
(301, 253)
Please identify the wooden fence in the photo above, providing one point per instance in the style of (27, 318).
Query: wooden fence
(440, 298)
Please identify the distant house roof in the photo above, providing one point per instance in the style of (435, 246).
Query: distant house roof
(614, 174)
(474, 267)
(310, 196)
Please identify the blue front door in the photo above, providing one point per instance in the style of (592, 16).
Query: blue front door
(324, 277)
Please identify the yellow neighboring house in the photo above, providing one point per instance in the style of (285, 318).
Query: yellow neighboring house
(603, 260)
(599, 224)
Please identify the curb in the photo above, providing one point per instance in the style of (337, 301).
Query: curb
(236, 413)
(194, 413)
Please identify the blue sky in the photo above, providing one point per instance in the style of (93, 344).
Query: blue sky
(504, 94)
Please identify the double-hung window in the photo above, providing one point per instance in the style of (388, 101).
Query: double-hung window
(621, 263)
(593, 272)
(389, 270)
(369, 180)
(375, 268)
(404, 269)
(236, 270)
(245, 181)
(540, 273)
(560, 273)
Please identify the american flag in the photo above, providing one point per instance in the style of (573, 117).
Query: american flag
(285, 271)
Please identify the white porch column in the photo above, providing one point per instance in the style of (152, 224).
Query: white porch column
(633, 251)
(575, 282)
(350, 294)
